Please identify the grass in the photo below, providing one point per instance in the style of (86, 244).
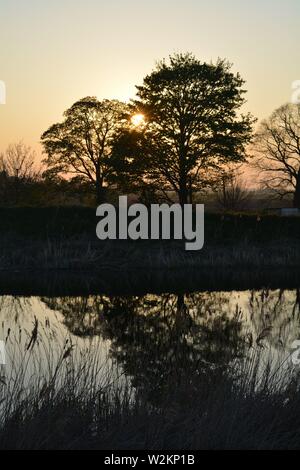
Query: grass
(65, 401)
(80, 253)
(64, 398)
(63, 222)
(63, 238)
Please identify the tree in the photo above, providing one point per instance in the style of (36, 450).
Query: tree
(18, 172)
(19, 162)
(191, 130)
(159, 341)
(276, 152)
(81, 145)
(233, 193)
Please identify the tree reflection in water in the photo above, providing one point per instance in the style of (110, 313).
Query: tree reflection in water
(161, 342)
(165, 342)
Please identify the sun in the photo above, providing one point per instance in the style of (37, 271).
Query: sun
(138, 119)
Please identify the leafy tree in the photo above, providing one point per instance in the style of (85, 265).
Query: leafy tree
(192, 127)
(81, 144)
(277, 152)
(159, 341)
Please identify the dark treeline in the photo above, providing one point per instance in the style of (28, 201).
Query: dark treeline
(184, 137)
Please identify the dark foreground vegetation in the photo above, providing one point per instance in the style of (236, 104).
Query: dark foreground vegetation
(65, 238)
(73, 407)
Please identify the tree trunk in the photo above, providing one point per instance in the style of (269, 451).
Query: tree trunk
(100, 190)
(296, 200)
(100, 193)
(190, 190)
(183, 192)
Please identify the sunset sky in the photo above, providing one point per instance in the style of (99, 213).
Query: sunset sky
(55, 52)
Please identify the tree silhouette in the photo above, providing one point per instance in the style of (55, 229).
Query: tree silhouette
(19, 173)
(162, 340)
(192, 128)
(277, 152)
(233, 193)
(158, 340)
(18, 161)
(81, 144)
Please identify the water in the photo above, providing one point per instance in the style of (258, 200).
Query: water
(145, 339)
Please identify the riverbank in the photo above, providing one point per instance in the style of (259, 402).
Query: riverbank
(65, 239)
(117, 282)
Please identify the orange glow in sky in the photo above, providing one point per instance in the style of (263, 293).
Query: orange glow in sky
(53, 53)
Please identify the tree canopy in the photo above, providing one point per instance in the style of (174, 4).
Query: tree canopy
(277, 151)
(192, 127)
(81, 145)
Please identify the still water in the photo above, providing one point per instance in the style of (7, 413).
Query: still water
(143, 339)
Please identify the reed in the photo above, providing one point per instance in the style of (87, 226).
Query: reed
(64, 399)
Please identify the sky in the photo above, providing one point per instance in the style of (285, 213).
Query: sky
(53, 53)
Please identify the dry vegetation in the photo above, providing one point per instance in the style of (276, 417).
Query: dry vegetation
(69, 404)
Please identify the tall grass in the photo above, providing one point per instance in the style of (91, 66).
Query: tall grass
(64, 399)
(65, 238)
(80, 253)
